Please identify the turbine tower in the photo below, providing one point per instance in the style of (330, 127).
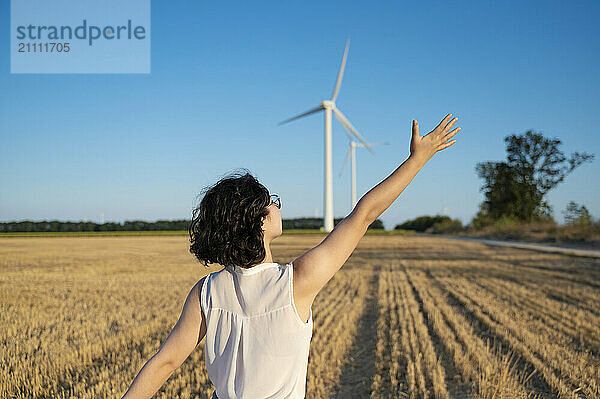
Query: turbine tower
(329, 106)
(352, 154)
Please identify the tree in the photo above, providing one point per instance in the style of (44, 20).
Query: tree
(422, 223)
(577, 215)
(447, 226)
(516, 188)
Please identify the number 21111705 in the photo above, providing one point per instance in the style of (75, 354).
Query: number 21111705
(44, 47)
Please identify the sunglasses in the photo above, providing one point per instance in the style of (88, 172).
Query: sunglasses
(275, 200)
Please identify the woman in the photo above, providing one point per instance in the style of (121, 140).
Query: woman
(256, 314)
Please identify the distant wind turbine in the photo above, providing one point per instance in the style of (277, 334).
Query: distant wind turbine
(352, 153)
(328, 106)
(445, 209)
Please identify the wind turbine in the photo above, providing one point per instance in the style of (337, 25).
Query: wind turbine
(352, 153)
(328, 106)
(445, 209)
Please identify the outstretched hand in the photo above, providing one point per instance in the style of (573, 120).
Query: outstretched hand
(425, 147)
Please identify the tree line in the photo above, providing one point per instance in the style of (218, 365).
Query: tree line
(140, 225)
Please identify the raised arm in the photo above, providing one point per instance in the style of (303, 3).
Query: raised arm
(314, 268)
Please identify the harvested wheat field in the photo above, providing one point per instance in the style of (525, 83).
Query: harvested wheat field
(406, 317)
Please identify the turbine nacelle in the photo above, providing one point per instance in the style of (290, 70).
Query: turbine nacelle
(327, 104)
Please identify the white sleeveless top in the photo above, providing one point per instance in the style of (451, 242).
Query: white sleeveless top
(256, 344)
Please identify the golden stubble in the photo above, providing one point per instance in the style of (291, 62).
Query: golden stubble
(406, 317)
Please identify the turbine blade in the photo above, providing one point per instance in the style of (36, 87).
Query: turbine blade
(346, 160)
(375, 144)
(302, 115)
(346, 123)
(338, 83)
(347, 132)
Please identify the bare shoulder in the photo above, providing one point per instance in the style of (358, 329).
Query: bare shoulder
(314, 268)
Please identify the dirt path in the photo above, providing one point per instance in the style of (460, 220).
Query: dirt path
(591, 253)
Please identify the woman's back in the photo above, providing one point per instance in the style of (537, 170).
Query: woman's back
(256, 344)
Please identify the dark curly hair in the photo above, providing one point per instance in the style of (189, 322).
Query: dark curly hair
(226, 226)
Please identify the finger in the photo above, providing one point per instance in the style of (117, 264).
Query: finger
(415, 129)
(451, 134)
(448, 144)
(449, 125)
(444, 121)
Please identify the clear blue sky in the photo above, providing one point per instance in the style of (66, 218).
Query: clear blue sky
(74, 146)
